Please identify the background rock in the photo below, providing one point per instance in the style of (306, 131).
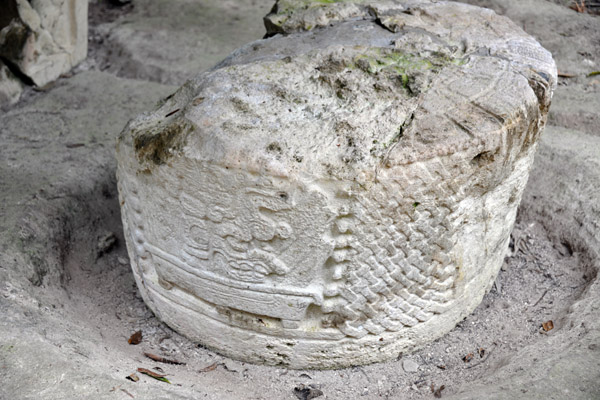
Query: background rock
(169, 41)
(44, 38)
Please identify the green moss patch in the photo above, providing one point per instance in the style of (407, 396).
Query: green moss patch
(377, 61)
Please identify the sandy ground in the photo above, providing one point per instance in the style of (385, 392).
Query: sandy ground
(68, 300)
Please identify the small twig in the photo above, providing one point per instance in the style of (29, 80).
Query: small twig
(540, 299)
(152, 374)
(162, 359)
(164, 338)
(228, 369)
(130, 395)
(172, 112)
(566, 75)
(211, 367)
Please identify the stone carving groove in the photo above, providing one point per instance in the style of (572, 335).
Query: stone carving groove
(321, 195)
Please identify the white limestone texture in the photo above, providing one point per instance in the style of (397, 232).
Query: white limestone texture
(44, 38)
(340, 193)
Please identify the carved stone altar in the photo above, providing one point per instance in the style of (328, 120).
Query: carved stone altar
(342, 191)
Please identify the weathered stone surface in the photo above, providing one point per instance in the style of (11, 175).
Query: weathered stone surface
(289, 16)
(10, 86)
(334, 197)
(44, 38)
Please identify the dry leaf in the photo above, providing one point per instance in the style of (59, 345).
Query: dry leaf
(133, 377)
(211, 367)
(565, 75)
(136, 338)
(578, 6)
(548, 325)
(438, 392)
(153, 374)
(162, 359)
(197, 101)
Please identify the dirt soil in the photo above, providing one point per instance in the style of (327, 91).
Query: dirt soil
(68, 299)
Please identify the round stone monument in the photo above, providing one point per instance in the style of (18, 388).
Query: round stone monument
(341, 191)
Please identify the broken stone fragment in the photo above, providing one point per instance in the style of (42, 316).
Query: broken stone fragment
(10, 86)
(340, 194)
(43, 39)
(288, 16)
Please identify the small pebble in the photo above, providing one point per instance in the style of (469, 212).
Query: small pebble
(410, 365)
(307, 392)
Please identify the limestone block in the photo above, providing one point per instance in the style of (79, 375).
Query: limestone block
(44, 38)
(10, 86)
(337, 195)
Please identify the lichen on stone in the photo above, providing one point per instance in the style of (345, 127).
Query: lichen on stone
(377, 60)
(157, 147)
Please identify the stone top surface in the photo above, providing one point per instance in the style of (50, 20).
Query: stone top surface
(382, 85)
